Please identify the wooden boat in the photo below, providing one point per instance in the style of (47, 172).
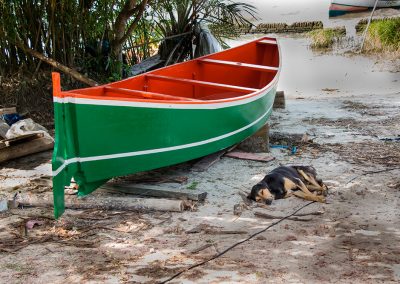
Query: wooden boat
(341, 7)
(163, 117)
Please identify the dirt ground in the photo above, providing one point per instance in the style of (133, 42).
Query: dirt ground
(355, 240)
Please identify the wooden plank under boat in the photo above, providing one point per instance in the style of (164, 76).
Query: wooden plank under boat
(163, 117)
(341, 7)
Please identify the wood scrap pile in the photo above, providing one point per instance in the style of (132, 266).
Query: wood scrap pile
(17, 141)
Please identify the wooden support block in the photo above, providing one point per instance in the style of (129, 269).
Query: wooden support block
(23, 149)
(21, 139)
(9, 110)
(257, 143)
(208, 161)
(279, 101)
(154, 191)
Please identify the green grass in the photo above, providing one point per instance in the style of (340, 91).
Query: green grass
(384, 35)
(325, 38)
(193, 185)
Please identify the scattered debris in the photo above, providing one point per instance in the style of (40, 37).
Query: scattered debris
(204, 163)
(31, 223)
(201, 248)
(212, 230)
(250, 156)
(269, 216)
(329, 90)
(9, 110)
(21, 137)
(390, 139)
(292, 149)
(3, 205)
(246, 201)
(23, 146)
(239, 208)
(4, 127)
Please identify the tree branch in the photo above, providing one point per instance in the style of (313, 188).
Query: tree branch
(73, 73)
(140, 10)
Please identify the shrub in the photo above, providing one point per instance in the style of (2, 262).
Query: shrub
(384, 35)
(325, 38)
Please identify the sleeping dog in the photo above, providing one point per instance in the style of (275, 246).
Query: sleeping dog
(283, 182)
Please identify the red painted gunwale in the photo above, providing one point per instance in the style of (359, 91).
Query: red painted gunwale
(245, 48)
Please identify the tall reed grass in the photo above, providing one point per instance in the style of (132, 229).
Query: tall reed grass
(384, 36)
(325, 38)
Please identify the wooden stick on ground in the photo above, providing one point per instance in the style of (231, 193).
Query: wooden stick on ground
(24, 149)
(9, 110)
(199, 249)
(268, 216)
(154, 191)
(107, 203)
(208, 161)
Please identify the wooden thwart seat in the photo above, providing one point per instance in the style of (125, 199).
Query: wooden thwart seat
(147, 95)
(233, 88)
(267, 41)
(256, 67)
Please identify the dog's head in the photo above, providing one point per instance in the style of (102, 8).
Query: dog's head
(261, 193)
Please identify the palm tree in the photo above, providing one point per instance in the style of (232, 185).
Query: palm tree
(184, 21)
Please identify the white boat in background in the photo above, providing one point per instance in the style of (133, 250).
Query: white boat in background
(340, 7)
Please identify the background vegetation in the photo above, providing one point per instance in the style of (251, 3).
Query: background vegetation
(384, 35)
(94, 41)
(325, 38)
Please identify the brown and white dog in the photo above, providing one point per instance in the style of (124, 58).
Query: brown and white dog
(283, 182)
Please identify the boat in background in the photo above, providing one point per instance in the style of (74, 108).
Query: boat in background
(341, 7)
(162, 117)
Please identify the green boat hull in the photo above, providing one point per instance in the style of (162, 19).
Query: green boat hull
(161, 118)
(99, 142)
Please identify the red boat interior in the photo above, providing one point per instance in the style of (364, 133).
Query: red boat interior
(228, 74)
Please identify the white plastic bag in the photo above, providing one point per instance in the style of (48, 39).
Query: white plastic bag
(26, 126)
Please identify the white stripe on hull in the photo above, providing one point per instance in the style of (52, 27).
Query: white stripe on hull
(160, 150)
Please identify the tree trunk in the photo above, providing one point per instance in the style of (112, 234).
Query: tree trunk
(121, 31)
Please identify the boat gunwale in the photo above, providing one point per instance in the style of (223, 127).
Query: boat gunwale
(70, 96)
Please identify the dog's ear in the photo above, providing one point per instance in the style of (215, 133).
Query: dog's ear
(266, 194)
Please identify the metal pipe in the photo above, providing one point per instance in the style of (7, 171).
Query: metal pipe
(366, 28)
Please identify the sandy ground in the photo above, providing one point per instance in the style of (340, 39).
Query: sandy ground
(355, 240)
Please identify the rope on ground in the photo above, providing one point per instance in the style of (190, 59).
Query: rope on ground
(371, 173)
(236, 244)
